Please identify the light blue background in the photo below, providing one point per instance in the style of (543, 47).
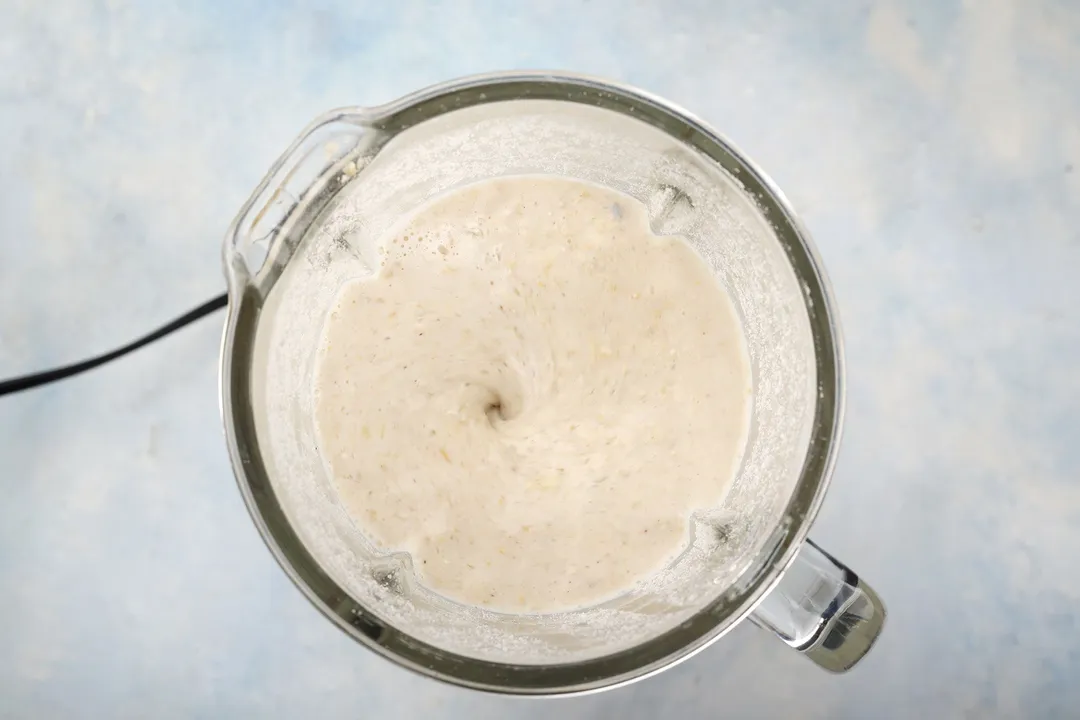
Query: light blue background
(933, 149)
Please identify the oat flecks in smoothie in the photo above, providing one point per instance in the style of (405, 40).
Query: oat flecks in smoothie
(533, 395)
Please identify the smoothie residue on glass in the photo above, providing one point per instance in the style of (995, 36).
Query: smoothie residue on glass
(533, 394)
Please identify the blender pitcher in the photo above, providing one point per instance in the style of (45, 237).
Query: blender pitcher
(314, 224)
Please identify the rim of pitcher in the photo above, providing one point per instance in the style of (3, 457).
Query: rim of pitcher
(714, 619)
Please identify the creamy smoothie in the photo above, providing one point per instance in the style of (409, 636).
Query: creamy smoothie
(532, 395)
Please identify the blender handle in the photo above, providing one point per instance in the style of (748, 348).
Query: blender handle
(822, 609)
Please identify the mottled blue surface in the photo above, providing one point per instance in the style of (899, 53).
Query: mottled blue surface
(932, 148)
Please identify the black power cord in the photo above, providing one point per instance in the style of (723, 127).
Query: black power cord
(26, 382)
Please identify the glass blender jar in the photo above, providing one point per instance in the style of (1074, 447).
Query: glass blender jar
(314, 223)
